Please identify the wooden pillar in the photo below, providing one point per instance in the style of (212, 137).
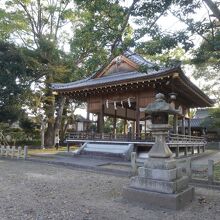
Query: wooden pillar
(77, 126)
(189, 124)
(101, 120)
(185, 151)
(183, 126)
(145, 127)
(114, 123)
(87, 123)
(137, 118)
(175, 124)
(133, 129)
(87, 113)
(125, 121)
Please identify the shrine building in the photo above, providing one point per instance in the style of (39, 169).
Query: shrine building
(127, 84)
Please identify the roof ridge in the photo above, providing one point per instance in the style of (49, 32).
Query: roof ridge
(138, 59)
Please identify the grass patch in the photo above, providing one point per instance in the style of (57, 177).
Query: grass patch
(50, 150)
(217, 171)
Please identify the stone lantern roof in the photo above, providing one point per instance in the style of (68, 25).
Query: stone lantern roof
(159, 105)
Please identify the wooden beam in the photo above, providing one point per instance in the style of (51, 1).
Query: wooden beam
(137, 117)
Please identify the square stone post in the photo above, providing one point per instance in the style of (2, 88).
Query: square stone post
(210, 171)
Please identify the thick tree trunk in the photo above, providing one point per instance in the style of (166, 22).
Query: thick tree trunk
(57, 124)
(49, 135)
(42, 132)
(49, 106)
(54, 126)
(64, 130)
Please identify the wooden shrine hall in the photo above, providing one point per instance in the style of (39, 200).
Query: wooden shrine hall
(127, 84)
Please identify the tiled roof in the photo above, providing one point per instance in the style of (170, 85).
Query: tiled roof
(109, 79)
(136, 58)
(196, 122)
(135, 76)
(89, 81)
(202, 113)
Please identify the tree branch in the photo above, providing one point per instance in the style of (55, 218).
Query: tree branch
(124, 25)
(185, 22)
(214, 8)
(32, 21)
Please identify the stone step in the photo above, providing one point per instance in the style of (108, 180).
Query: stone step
(118, 150)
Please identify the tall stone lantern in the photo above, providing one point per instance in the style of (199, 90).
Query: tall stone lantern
(159, 182)
(159, 111)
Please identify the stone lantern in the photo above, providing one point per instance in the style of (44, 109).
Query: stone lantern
(159, 111)
(159, 182)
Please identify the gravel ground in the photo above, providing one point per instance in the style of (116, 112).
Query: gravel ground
(31, 190)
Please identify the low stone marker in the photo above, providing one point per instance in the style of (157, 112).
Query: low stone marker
(25, 152)
(210, 171)
(160, 183)
(134, 167)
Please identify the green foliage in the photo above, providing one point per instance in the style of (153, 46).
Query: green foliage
(97, 30)
(18, 136)
(161, 44)
(14, 81)
(215, 114)
(27, 125)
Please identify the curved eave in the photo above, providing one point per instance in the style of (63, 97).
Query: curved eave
(185, 88)
(199, 94)
(115, 82)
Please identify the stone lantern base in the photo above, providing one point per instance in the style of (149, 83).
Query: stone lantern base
(160, 184)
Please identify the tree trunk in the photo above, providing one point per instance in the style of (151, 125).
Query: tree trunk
(214, 8)
(53, 127)
(57, 124)
(64, 130)
(49, 135)
(49, 106)
(42, 132)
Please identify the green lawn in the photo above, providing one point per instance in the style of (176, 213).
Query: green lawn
(50, 150)
(217, 171)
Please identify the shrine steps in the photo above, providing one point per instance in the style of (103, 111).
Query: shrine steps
(108, 149)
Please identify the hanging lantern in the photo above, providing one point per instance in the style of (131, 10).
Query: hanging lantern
(129, 102)
(122, 104)
(115, 105)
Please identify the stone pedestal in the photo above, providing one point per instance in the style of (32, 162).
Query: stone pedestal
(160, 184)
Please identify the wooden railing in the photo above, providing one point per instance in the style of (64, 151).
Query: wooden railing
(190, 144)
(108, 136)
(187, 142)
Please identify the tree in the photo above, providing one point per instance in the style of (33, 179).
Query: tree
(156, 43)
(103, 31)
(15, 78)
(42, 25)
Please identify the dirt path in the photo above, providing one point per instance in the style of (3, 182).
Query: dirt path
(39, 191)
